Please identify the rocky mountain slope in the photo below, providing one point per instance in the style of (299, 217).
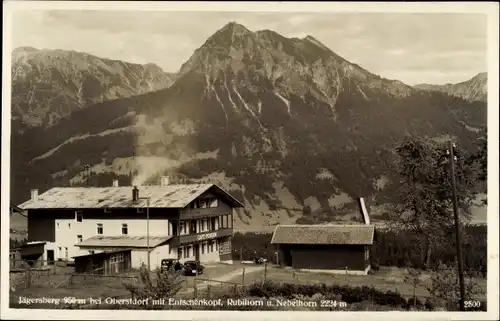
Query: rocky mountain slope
(286, 125)
(48, 85)
(474, 89)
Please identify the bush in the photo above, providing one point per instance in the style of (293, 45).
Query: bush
(164, 285)
(345, 293)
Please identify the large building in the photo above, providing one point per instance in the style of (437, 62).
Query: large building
(182, 221)
(326, 247)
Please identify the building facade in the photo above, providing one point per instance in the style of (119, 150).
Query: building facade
(329, 248)
(104, 263)
(197, 219)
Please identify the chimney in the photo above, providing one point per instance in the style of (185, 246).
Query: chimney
(164, 180)
(34, 194)
(115, 183)
(362, 205)
(135, 194)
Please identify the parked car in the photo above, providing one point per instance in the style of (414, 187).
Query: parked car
(260, 260)
(170, 264)
(193, 268)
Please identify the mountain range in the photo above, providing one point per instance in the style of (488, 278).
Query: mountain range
(48, 85)
(286, 125)
(473, 89)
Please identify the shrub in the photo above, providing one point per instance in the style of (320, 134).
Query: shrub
(164, 285)
(345, 293)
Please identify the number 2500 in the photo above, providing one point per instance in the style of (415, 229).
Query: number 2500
(472, 304)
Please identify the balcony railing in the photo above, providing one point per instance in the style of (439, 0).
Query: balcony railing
(180, 240)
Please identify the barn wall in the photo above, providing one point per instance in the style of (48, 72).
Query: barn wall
(325, 257)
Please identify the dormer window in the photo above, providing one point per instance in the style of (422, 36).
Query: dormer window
(213, 202)
(79, 216)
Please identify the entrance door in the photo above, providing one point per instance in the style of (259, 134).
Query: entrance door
(197, 252)
(50, 257)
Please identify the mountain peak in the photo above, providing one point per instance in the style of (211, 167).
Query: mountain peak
(234, 29)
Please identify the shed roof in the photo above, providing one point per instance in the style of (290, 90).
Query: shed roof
(169, 196)
(123, 241)
(103, 253)
(324, 234)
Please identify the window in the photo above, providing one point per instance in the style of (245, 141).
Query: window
(204, 225)
(181, 228)
(186, 253)
(78, 216)
(367, 253)
(211, 246)
(203, 248)
(124, 229)
(203, 204)
(189, 251)
(213, 202)
(79, 238)
(99, 228)
(179, 253)
(212, 223)
(192, 227)
(216, 245)
(116, 258)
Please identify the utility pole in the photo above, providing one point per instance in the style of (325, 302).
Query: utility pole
(147, 229)
(451, 150)
(87, 168)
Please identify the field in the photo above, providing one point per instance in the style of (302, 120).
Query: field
(54, 284)
(387, 278)
(218, 277)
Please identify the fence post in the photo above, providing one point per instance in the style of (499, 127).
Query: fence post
(235, 289)
(243, 277)
(28, 278)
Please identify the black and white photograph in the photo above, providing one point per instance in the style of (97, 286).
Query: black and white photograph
(194, 160)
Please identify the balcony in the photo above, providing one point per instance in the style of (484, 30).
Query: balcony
(180, 240)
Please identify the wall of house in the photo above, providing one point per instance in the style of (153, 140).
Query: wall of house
(68, 229)
(60, 227)
(159, 253)
(40, 227)
(222, 208)
(325, 257)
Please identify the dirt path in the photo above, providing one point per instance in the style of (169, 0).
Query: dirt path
(234, 276)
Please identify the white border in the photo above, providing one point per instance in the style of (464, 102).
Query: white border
(490, 9)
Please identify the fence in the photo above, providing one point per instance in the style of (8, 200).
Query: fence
(37, 273)
(26, 274)
(87, 280)
(208, 288)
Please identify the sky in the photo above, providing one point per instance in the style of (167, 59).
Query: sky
(435, 48)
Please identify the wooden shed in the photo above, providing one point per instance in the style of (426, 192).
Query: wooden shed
(104, 263)
(332, 248)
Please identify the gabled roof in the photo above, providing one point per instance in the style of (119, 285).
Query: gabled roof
(324, 234)
(127, 241)
(169, 196)
(17, 209)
